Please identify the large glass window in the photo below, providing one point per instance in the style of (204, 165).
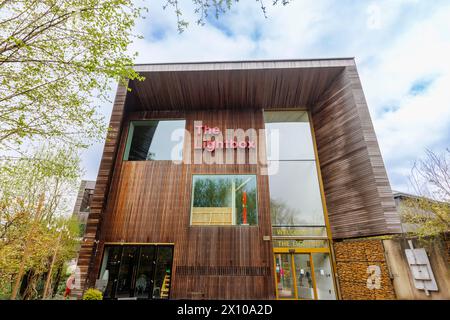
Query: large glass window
(288, 136)
(295, 198)
(141, 272)
(224, 200)
(110, 270)
(285, 280)
(323, 276)
(304, 276)
(145, 271)
(126, 271)
(155, 140)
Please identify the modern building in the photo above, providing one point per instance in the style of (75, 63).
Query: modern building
(81, 212)
(240, 180)
(83, 203)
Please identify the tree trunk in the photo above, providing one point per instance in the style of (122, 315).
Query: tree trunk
(57, 280)
(27, 252)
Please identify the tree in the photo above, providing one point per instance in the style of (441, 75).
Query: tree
(58, 56)
(203, 8)
(33, 194)
(429, 212)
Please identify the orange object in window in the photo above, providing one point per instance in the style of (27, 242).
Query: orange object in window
(244, 207)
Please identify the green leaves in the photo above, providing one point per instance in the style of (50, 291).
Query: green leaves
(425, 218)
(56, 59)
(34, 202)
(428, 214)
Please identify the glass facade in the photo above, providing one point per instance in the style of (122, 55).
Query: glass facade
(295, 198)
(224, 200)
(289, 136)
(140, 272)
(155, 140)
(300, 241)
(304, 278)
(301, 247)
(284, 274)
(323, 276)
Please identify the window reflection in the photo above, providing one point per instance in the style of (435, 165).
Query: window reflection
(127, 265)
(285, 282)
(110, 270)
(295, 198)
(304, 281)
(142, 272)
(323, 275)
(152, 140)
(295, 195)
(294, 133)
(144, 276)
(296, 208)
(224, 200)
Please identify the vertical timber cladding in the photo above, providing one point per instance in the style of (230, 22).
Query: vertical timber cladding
(88, 246)
(357, 191)
(150, 202)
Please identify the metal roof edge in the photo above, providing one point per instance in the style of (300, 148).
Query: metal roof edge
(246, 65)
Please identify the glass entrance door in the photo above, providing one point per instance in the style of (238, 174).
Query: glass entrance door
(141, 272)
(304, 276)
(285, 278)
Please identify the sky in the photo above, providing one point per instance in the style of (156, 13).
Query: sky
(401, 47)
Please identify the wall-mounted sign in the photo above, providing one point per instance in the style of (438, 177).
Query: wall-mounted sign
(421, 269)
(211, 138)
(299, 232)
(297, 243)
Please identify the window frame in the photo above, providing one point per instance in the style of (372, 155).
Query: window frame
(141, 123)
(223, 225)
(329, 249)
(314, 160)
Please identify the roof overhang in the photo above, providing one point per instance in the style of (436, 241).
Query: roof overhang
(274, 84)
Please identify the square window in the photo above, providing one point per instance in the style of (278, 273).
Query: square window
(227, 200)
(155, 140)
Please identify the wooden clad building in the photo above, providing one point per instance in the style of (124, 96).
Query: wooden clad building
(213, 225)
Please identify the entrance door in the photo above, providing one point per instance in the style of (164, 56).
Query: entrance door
(304, 276)
(141, 272)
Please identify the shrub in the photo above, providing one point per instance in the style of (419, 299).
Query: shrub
(93, 294)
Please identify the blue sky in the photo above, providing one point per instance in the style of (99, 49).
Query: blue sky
(402, 49)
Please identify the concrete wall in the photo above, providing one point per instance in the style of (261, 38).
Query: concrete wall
(354, 260)
(402, 278)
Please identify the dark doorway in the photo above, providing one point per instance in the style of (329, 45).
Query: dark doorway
(137, 271)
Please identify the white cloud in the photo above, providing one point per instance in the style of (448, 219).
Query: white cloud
(374, 16)
(407, 124)
(396, 43)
